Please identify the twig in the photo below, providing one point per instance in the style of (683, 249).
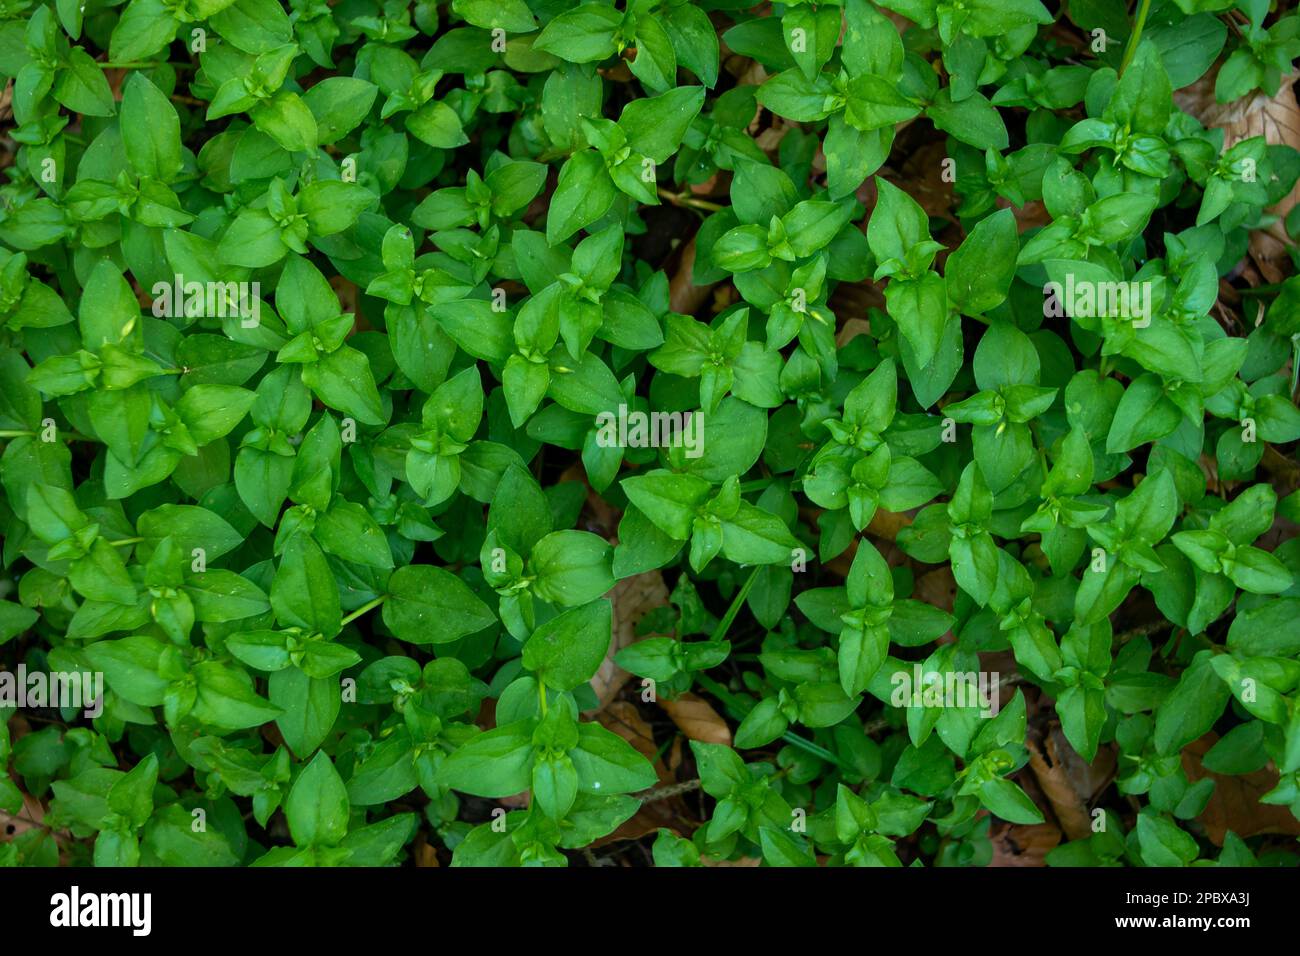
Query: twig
(1143, 630)
(690, 201)
(655, 794)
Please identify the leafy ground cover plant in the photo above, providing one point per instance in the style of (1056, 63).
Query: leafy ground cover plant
(519, 432)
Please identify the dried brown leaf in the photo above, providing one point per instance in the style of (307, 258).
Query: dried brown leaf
(921, 175)
(1235, 805)
(697, 719)
(623, 718)
(29, 817)
(1066, 780)
(517, 801)
(850, 329)
(937, 587)
(1015, 845)
(423, 853)
(632, 599)
(683, 295)
(1277, 119)
(1031, 214)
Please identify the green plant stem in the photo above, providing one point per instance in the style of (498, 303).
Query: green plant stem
(1295, 362)
(1262, 289)
(368, 606)
(65, 435)
(142, 65)
(669, 790)
(688, 200)
(724, 625)
(737, 709)
(817, 750)
(554, 153)
(734, 705)
(124, 542)
(1134, 38)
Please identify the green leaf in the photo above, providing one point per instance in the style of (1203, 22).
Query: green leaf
(513, 16)
(343, 380)
(287, 120)
(1192, 707)
(979, 272)
(973, 120)
(310, 706)
(1006, 800)
(437, 125)
(339, 105)
(151, 130)
(583, 195)
(80, 85)
(430, 605)
(1263, 631)
(304, 592)
(566, 651)
(582, 35)
(144, 29)
(571, 567)
(226, 698)
(496, 763)
(332, 206)
(131, 668)
(317, 806)
(1144, 414)
(655, 125)
(606, 763)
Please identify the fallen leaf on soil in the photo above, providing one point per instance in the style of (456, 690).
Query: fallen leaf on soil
(1235, 805)
(349, 295)
(517, 801)
(1031, 214)
(697, 719)
(29, 817)
(937, 587)
(886, 524)
(1063, 776)
(623, 718)
(424, 854)
(683, 295)
(1277, 119)
(619, 73)
(675, 754)
(1016, 845)
(854, 299)
(884, 528)
(632, 598)
(921, 175)
(850, 329)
